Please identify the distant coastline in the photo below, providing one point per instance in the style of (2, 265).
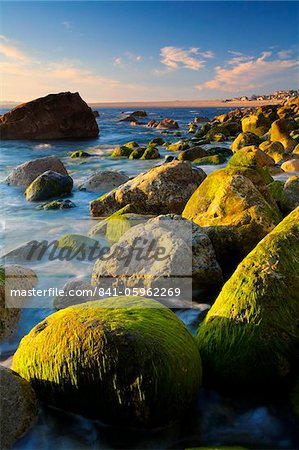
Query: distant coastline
(170, 104)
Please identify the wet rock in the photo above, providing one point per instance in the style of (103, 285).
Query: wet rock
(80, 154)
(177, 146)
(137, 153)
(163, 189)
(251, 157)
(250, 338)
(126, 366)
(57, 204)
(18, 407)
(103, 181)
(48, 185)
(75, 293)
(286, 194)
(280, 131)
(291, 166)
(157, 141)
(27, 172)
(210, 160)
(245, 139)
(192, 153)
(122, 152)
(151, 153)
(256, 123)
(56, 116)
(273, 149)
(167, 124)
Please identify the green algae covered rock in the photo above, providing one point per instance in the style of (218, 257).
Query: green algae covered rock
(57, 204)
(131, 144)
(250, 336)
(178, 146)
(123, 360)
(80, 154)
(245, 139)
(280, 131)
(151, 153)
(76, 242)
(213, 159)
(251, 157)
(122, 152)
(48, 185)
(191, 154)
(256, 123)
(157, 141)
(233, 212)
(287, 194)
(18, 407)
(118, 225)
(137, 153)
(101, 226)
(274, 149)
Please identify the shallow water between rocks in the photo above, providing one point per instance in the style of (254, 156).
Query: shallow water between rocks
(216, 419)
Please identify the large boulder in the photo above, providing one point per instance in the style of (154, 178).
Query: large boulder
(188, 252)
(103, 181)
(123, 360)
(280, 131)
(48, 185)
(27, 172)
(13, 277)
(256, 123)
(286, 194)
(56, 116)
(233, 212)
(192, 153)
(18, 407)
(250, 337)
(168, 124)
(245, 139)
(163, 189)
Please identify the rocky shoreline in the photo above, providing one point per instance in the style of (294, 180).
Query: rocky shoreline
(129, 360)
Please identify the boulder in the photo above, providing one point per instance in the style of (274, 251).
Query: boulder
(119, 223)
(233, 212)
(48, 185)
(131, 144)
(256, 123)
(103, 181)
(80, 154)
(273, 149)
(210, 160)
(222, 151)
(77, 243)
(157, 141)
(178, 146)
(75, 292)
(122, 152)
(189, 252)
(168, 124)
(280, 131)
(126, 367)
(13, 277)
(151, 153)
(250, 157)
(56, 116)
(296, 150)
(291, 165)
(137, 153)
(286, 194)
(163, 189)
(245, 139)
(192, 153)
(250, 337)
(18, 407)
(27, 172)
(101, 225)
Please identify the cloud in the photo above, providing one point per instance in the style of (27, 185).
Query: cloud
(179, 58)
(208, 54)
(244, 73)
(126, 58)
(284, 54)
(10, 51)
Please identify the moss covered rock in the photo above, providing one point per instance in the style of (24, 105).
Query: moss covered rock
(245, 139)
(213, 160)
(127, 361)
(233, 212)
(191, 154)
(178, 146)
(118, 225)
(273, 149)
(163, 189)
(18, 407)
(76, 242)
(80, 154)
(251, 157)
(289, 199)
(137, 153)
(256, 123)
(250, 336)
(131, 144)
(222, 151)
(291, 165)
(57, 204)
(122, 152)
(48, 185)
(157, 141)
(280, 131)
(151, 153)
(101, 226)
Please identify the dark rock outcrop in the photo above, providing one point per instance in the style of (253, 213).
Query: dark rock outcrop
(56, 116)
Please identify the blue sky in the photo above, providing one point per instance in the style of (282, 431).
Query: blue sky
(129, 51)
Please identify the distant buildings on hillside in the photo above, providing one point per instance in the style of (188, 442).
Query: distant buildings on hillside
(277, 95)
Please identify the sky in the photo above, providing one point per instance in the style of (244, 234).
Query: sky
(141, 51)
